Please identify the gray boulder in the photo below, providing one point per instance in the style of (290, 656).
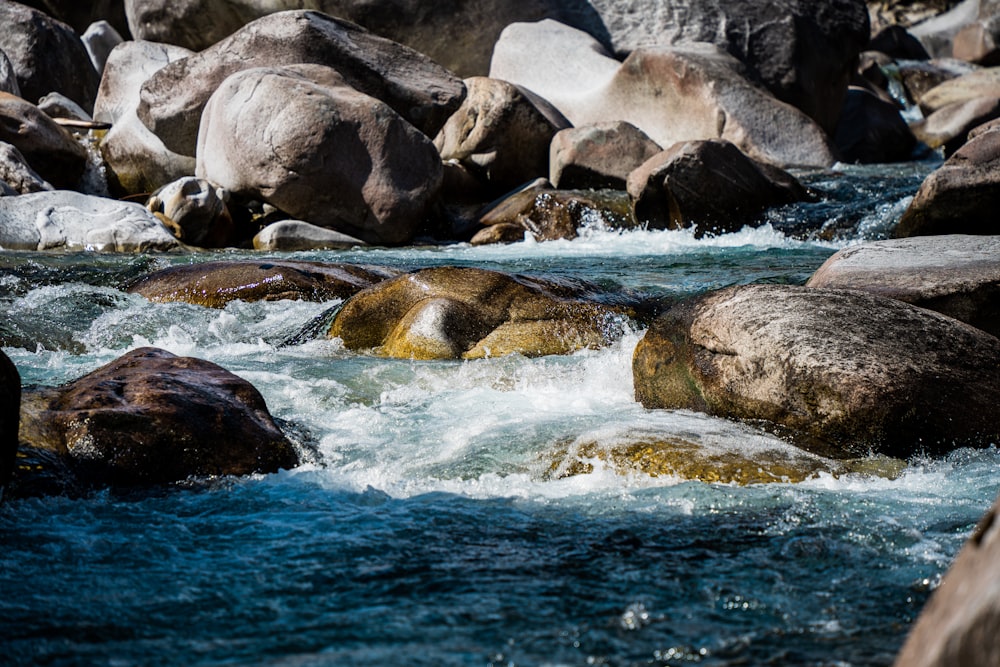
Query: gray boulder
(960, 624)
(803, 51)
(63, 220)
(937, 33)
(151, 418)
(956, 275)
(320, 151)
(601, 155)
(47, 56)
(8, 79)
(710, 185)
(100, 39)
(500, 134)
(137, 160)
(840, 373)
(671, 93)
(960, 197)
(422, 92)
(300, 235)
(17, 173)
(48, 148)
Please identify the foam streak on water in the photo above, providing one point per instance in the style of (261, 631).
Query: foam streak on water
(427, 526)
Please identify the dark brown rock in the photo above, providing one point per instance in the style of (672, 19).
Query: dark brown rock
(598, 156)
(214, 284)
(840, 373)
(10, 410)
(48, 148)
(710, 185)
(151, 418)
(871, 130)
(421, 91)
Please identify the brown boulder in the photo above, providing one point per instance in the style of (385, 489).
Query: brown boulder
(214, 284)
(452, 313)
(950, 125)
(598, 156)
(871, 130)
(419, 90)
(840, 373)
(500, 134)
(978, 83)
(710, 185)
(960, 197)
(151, 418)
(50, 150)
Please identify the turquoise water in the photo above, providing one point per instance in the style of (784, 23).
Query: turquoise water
(425, 528)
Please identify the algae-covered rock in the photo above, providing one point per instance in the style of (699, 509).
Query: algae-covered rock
(214, 284)
(454, 312)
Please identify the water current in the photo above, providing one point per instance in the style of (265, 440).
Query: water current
(426, 528)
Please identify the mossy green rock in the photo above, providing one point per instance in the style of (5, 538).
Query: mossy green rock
(454, 312)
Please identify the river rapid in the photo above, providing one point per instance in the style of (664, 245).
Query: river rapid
(426, 526)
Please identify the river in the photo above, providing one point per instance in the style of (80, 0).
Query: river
(426, 526)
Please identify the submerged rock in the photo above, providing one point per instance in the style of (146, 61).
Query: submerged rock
(840, 373)
(320, 151)
(960, 623)
(151, 418)
(676, 457)
(452, 312)
(960, 197)
(418, 89)
(214, 284)
(62, 220)
(956, 275)
(10, 410)
(710, 185)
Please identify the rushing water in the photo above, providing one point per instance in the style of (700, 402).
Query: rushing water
(425, 528)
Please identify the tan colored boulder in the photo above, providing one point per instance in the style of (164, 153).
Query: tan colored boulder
(47, 56)
(195, 210)
(418, 89)
(10, 410)
(320, 151)
(214, 284)
(956, 275)
(137, 160)
(709, 185)
(937, 33)
(949, 126)
(919, 77)
(840, 373)
(960, 197)
(452, 313)
(598, 156)
(50, 150)
(151, 418)
(673, 94)
(500, 134)
(960, 624)
(299, 235)
(979, 83)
